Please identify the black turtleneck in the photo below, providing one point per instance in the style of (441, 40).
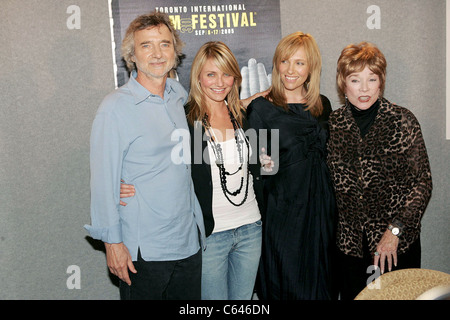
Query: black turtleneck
(365, 118)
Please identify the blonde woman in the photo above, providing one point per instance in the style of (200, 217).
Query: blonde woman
(300, 212)
(227, 185)
(227, 182)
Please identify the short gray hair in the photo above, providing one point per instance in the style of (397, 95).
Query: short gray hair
(145, 21)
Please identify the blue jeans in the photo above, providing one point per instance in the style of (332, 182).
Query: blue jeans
(230, 263)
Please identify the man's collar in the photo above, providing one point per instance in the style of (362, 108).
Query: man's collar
(140, 93)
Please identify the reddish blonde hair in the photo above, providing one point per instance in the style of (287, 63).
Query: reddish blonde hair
(354, 58)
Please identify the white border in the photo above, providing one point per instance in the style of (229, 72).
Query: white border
(113, 43)
(447, 91)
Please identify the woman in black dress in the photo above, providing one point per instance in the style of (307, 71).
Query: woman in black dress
(298, 228)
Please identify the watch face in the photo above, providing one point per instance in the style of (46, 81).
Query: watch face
(395, 231)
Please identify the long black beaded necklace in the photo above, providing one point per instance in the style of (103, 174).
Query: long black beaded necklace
(217, 149)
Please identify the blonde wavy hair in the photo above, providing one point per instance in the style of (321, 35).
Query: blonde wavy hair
(227, 63)
(146, 21)
(287, 48)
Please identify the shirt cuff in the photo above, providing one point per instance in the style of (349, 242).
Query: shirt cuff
(109, 235)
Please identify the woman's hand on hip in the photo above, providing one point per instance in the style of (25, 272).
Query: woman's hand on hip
(126, 191)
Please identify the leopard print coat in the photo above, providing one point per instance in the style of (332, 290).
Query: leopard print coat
(383, 176)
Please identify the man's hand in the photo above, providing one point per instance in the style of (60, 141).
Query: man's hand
(119, 261)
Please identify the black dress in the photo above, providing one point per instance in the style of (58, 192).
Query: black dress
(298, 236)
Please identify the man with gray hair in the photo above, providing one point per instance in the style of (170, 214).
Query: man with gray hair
(153, 244)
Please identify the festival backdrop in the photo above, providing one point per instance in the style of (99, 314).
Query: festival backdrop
(251, 29)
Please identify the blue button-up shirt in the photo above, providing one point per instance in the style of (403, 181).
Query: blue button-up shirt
(137, 136)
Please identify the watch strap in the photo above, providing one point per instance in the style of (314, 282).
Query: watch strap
(396, 224)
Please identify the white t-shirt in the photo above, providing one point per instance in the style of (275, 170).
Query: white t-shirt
(226, 215)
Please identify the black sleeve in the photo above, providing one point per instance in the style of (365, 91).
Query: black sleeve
(323, 118)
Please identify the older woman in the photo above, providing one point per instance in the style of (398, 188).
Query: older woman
(381, 173)
(298, 226)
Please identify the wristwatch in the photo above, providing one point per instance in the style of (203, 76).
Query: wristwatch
(396, 227)
(395, 230)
